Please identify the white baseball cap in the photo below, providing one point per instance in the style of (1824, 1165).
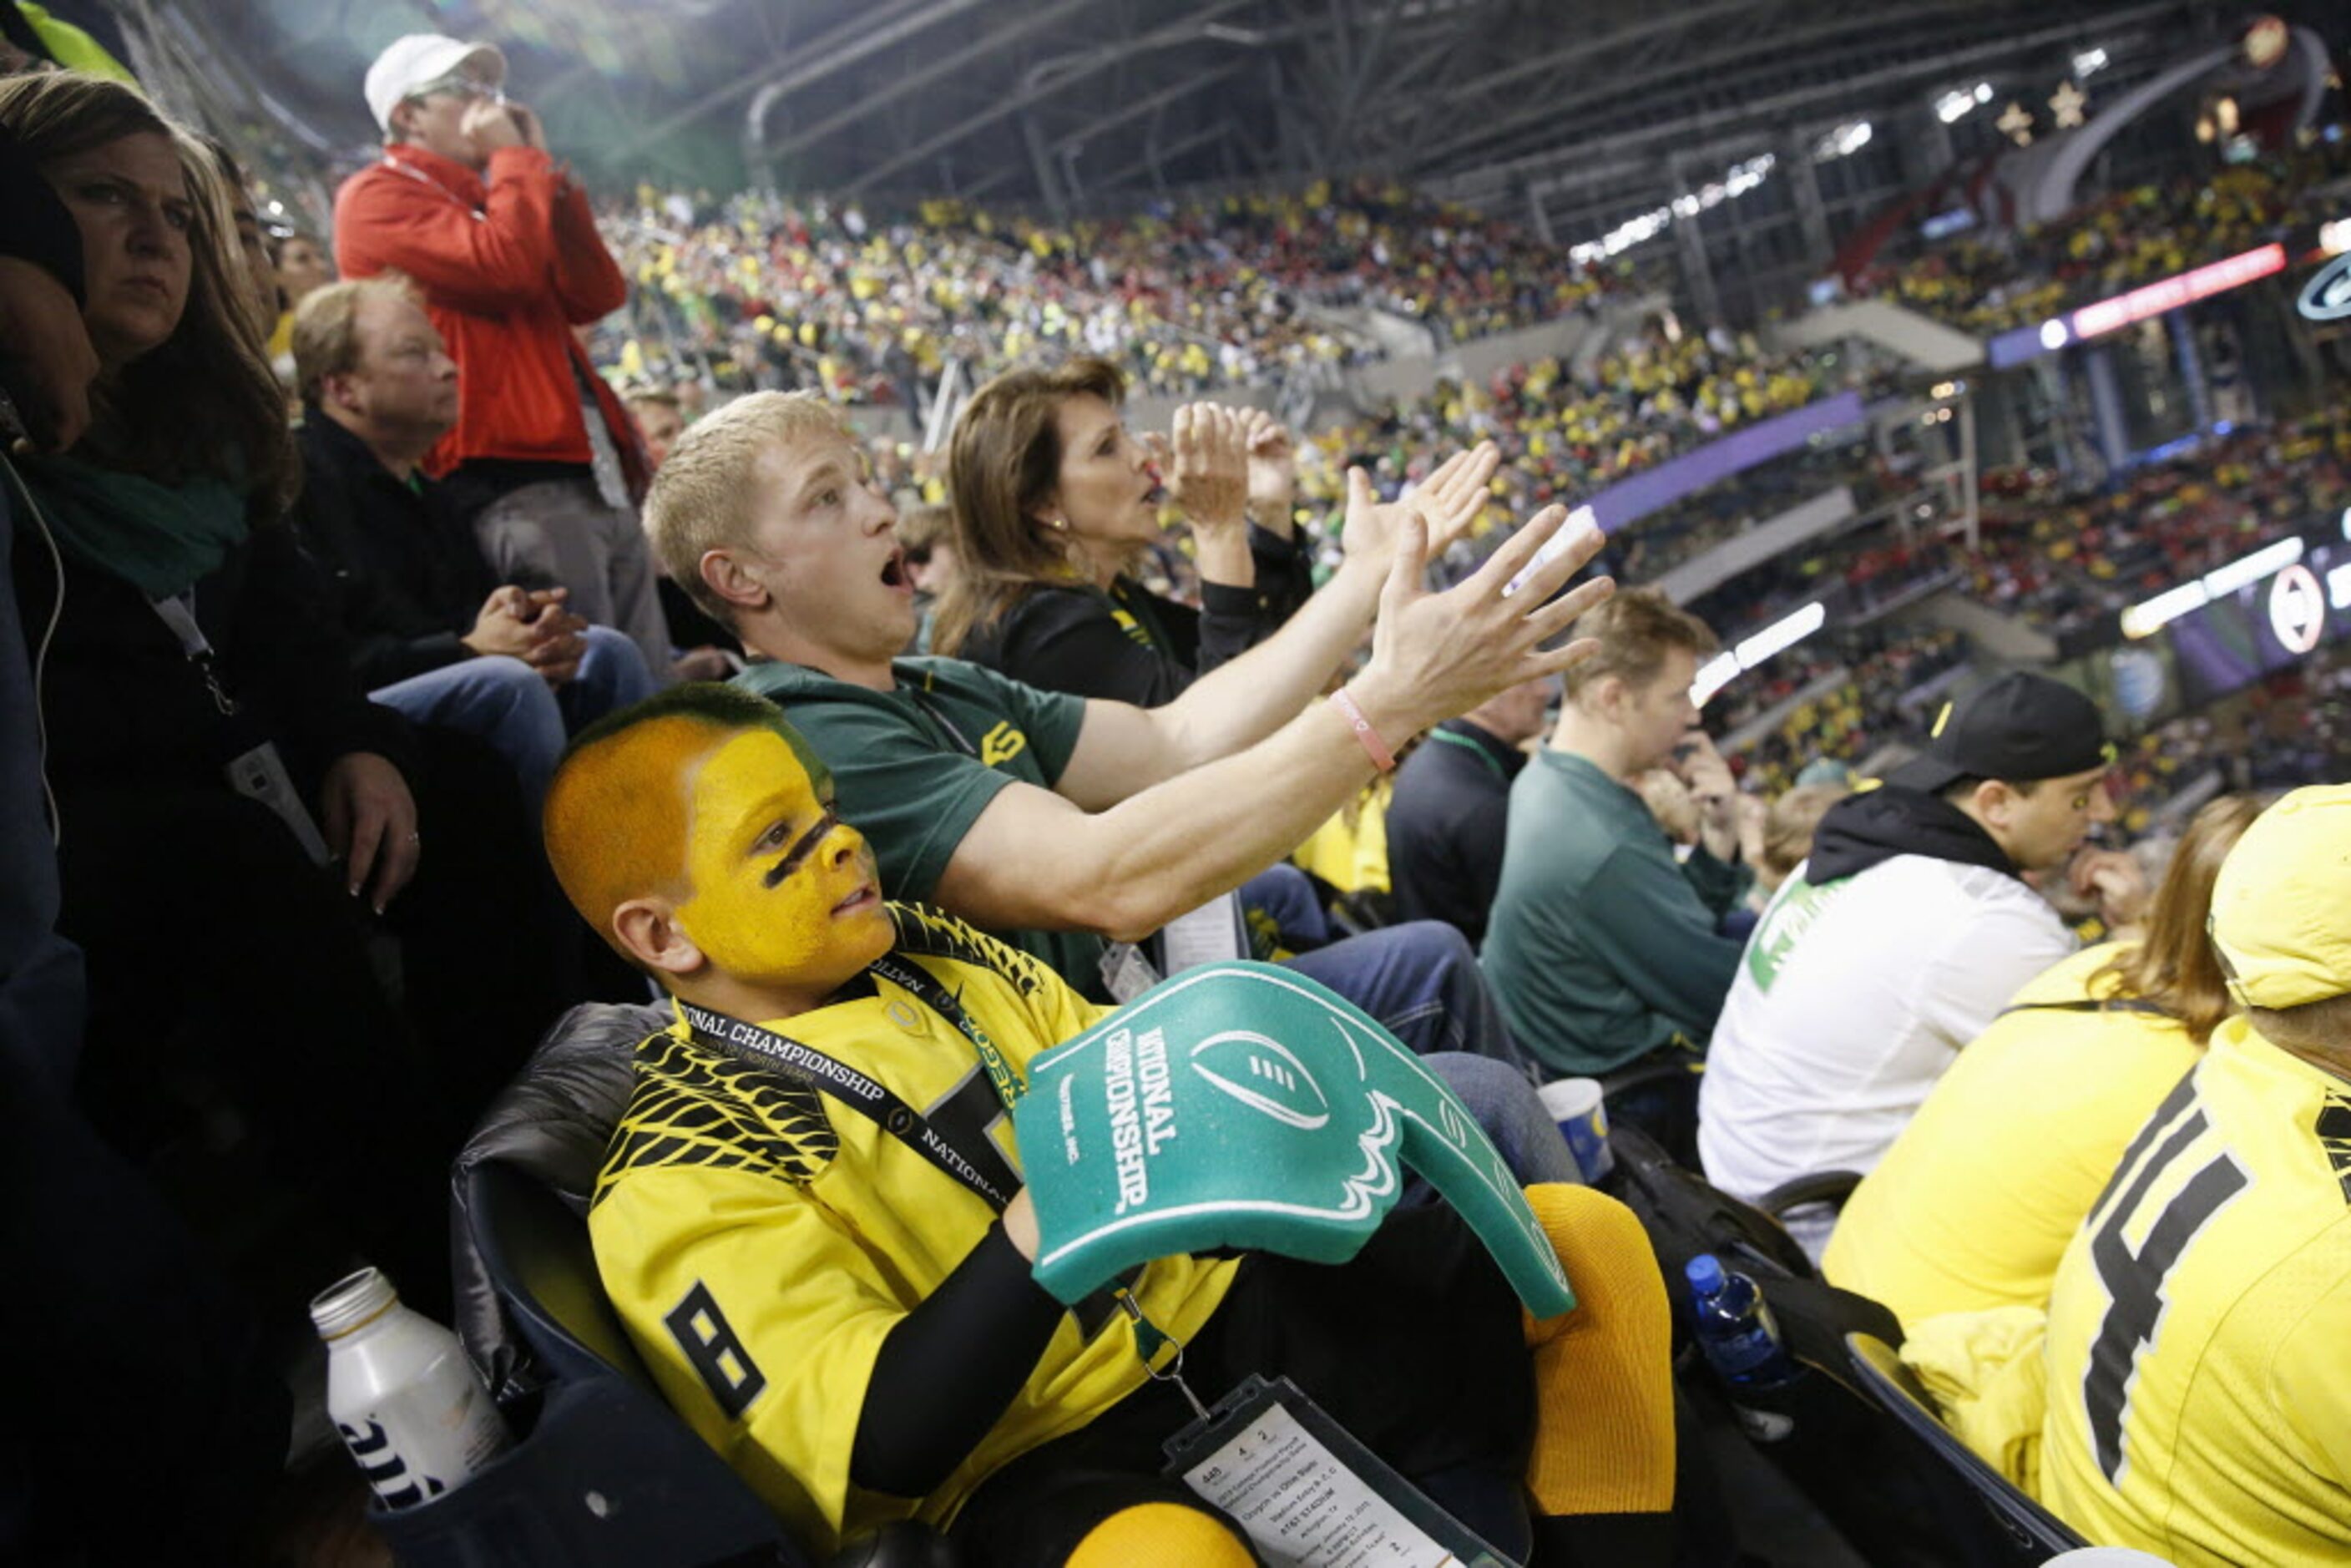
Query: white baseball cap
(419, 59)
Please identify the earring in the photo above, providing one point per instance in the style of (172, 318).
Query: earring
(1059, 525)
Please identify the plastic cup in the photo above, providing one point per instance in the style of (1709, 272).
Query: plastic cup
(1581, 1109)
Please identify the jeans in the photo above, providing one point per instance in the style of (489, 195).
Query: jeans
(506, 703)
(559, 533)
(1280, 904)
(1506, 1106)
(1420, 981)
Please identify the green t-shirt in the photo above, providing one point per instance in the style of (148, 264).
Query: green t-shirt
(1603, 948)
(914, 766)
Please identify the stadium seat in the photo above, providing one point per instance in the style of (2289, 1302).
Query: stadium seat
(1988, 1520)
(1821, 1189)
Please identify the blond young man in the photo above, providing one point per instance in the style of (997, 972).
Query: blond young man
(1057, 822)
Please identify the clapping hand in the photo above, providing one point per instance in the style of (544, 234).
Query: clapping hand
(1207, 471)
(1272, 470)
(1447, 501)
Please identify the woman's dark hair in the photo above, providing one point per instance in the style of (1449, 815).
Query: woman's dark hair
(204, 402)
(1005, 459)
(2173, 966)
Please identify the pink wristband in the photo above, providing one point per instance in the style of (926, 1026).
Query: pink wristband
(1382, 757)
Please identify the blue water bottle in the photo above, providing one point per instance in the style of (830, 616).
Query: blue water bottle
(1735, 1327)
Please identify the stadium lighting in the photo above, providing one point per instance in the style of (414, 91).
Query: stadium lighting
(1777, 638)
(2338, 586)
(2171, 292)
(1844, 141)
(1737, 181)
(2088, 61)
(1983, 92)
(1783, 634)
(2148, 616)
(1952, 105)
(2262, 563)
(1712, 677)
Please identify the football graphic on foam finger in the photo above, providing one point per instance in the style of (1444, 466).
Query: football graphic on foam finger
(1265, 1076)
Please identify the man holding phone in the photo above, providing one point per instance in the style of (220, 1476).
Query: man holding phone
(469, 205)
(1604, 947)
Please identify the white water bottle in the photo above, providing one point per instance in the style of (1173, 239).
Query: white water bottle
(402, 1392)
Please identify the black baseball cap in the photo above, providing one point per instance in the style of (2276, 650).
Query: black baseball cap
(2019, 728)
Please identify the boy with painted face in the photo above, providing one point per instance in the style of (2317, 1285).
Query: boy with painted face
(813, 1222)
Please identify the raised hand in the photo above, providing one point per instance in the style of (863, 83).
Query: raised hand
(1437, 655)
(1272, 470)
(1447, 501)
(1207, 471)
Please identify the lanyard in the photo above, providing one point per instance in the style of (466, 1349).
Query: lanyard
(982, 1171)
(178, 612)
(1465, 744)
(935, 996)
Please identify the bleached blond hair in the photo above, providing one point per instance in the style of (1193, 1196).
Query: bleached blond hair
(706, 496)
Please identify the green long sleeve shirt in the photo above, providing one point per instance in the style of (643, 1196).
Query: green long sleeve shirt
(1602, 945)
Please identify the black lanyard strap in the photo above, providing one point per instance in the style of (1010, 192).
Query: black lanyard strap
(982, 1170)
(926, 989)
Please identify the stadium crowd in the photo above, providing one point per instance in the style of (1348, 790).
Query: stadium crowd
(760, 292)
(365, 774)
(2115, 243)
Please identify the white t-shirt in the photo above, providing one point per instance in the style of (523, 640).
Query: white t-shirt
(1851, 1000)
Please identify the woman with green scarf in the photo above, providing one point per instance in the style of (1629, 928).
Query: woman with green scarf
(203, 748)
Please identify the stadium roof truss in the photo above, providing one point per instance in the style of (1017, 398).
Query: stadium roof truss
(1083, 103)
(1519, 107)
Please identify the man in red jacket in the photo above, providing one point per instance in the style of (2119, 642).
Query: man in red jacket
(468, 202)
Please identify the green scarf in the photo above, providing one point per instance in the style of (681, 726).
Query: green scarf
(160, 539)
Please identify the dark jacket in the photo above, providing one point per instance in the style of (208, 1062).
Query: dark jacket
(1131, 646)
(125, 704)
(1446, 824)
(407, 578)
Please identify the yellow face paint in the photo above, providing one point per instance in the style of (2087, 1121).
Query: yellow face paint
(784, 892)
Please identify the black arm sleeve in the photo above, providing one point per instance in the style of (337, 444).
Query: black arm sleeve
(949, 1370)
(1235, 620)
(40, 229)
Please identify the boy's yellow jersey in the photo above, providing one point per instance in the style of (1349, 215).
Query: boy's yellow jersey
(759, 1240)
